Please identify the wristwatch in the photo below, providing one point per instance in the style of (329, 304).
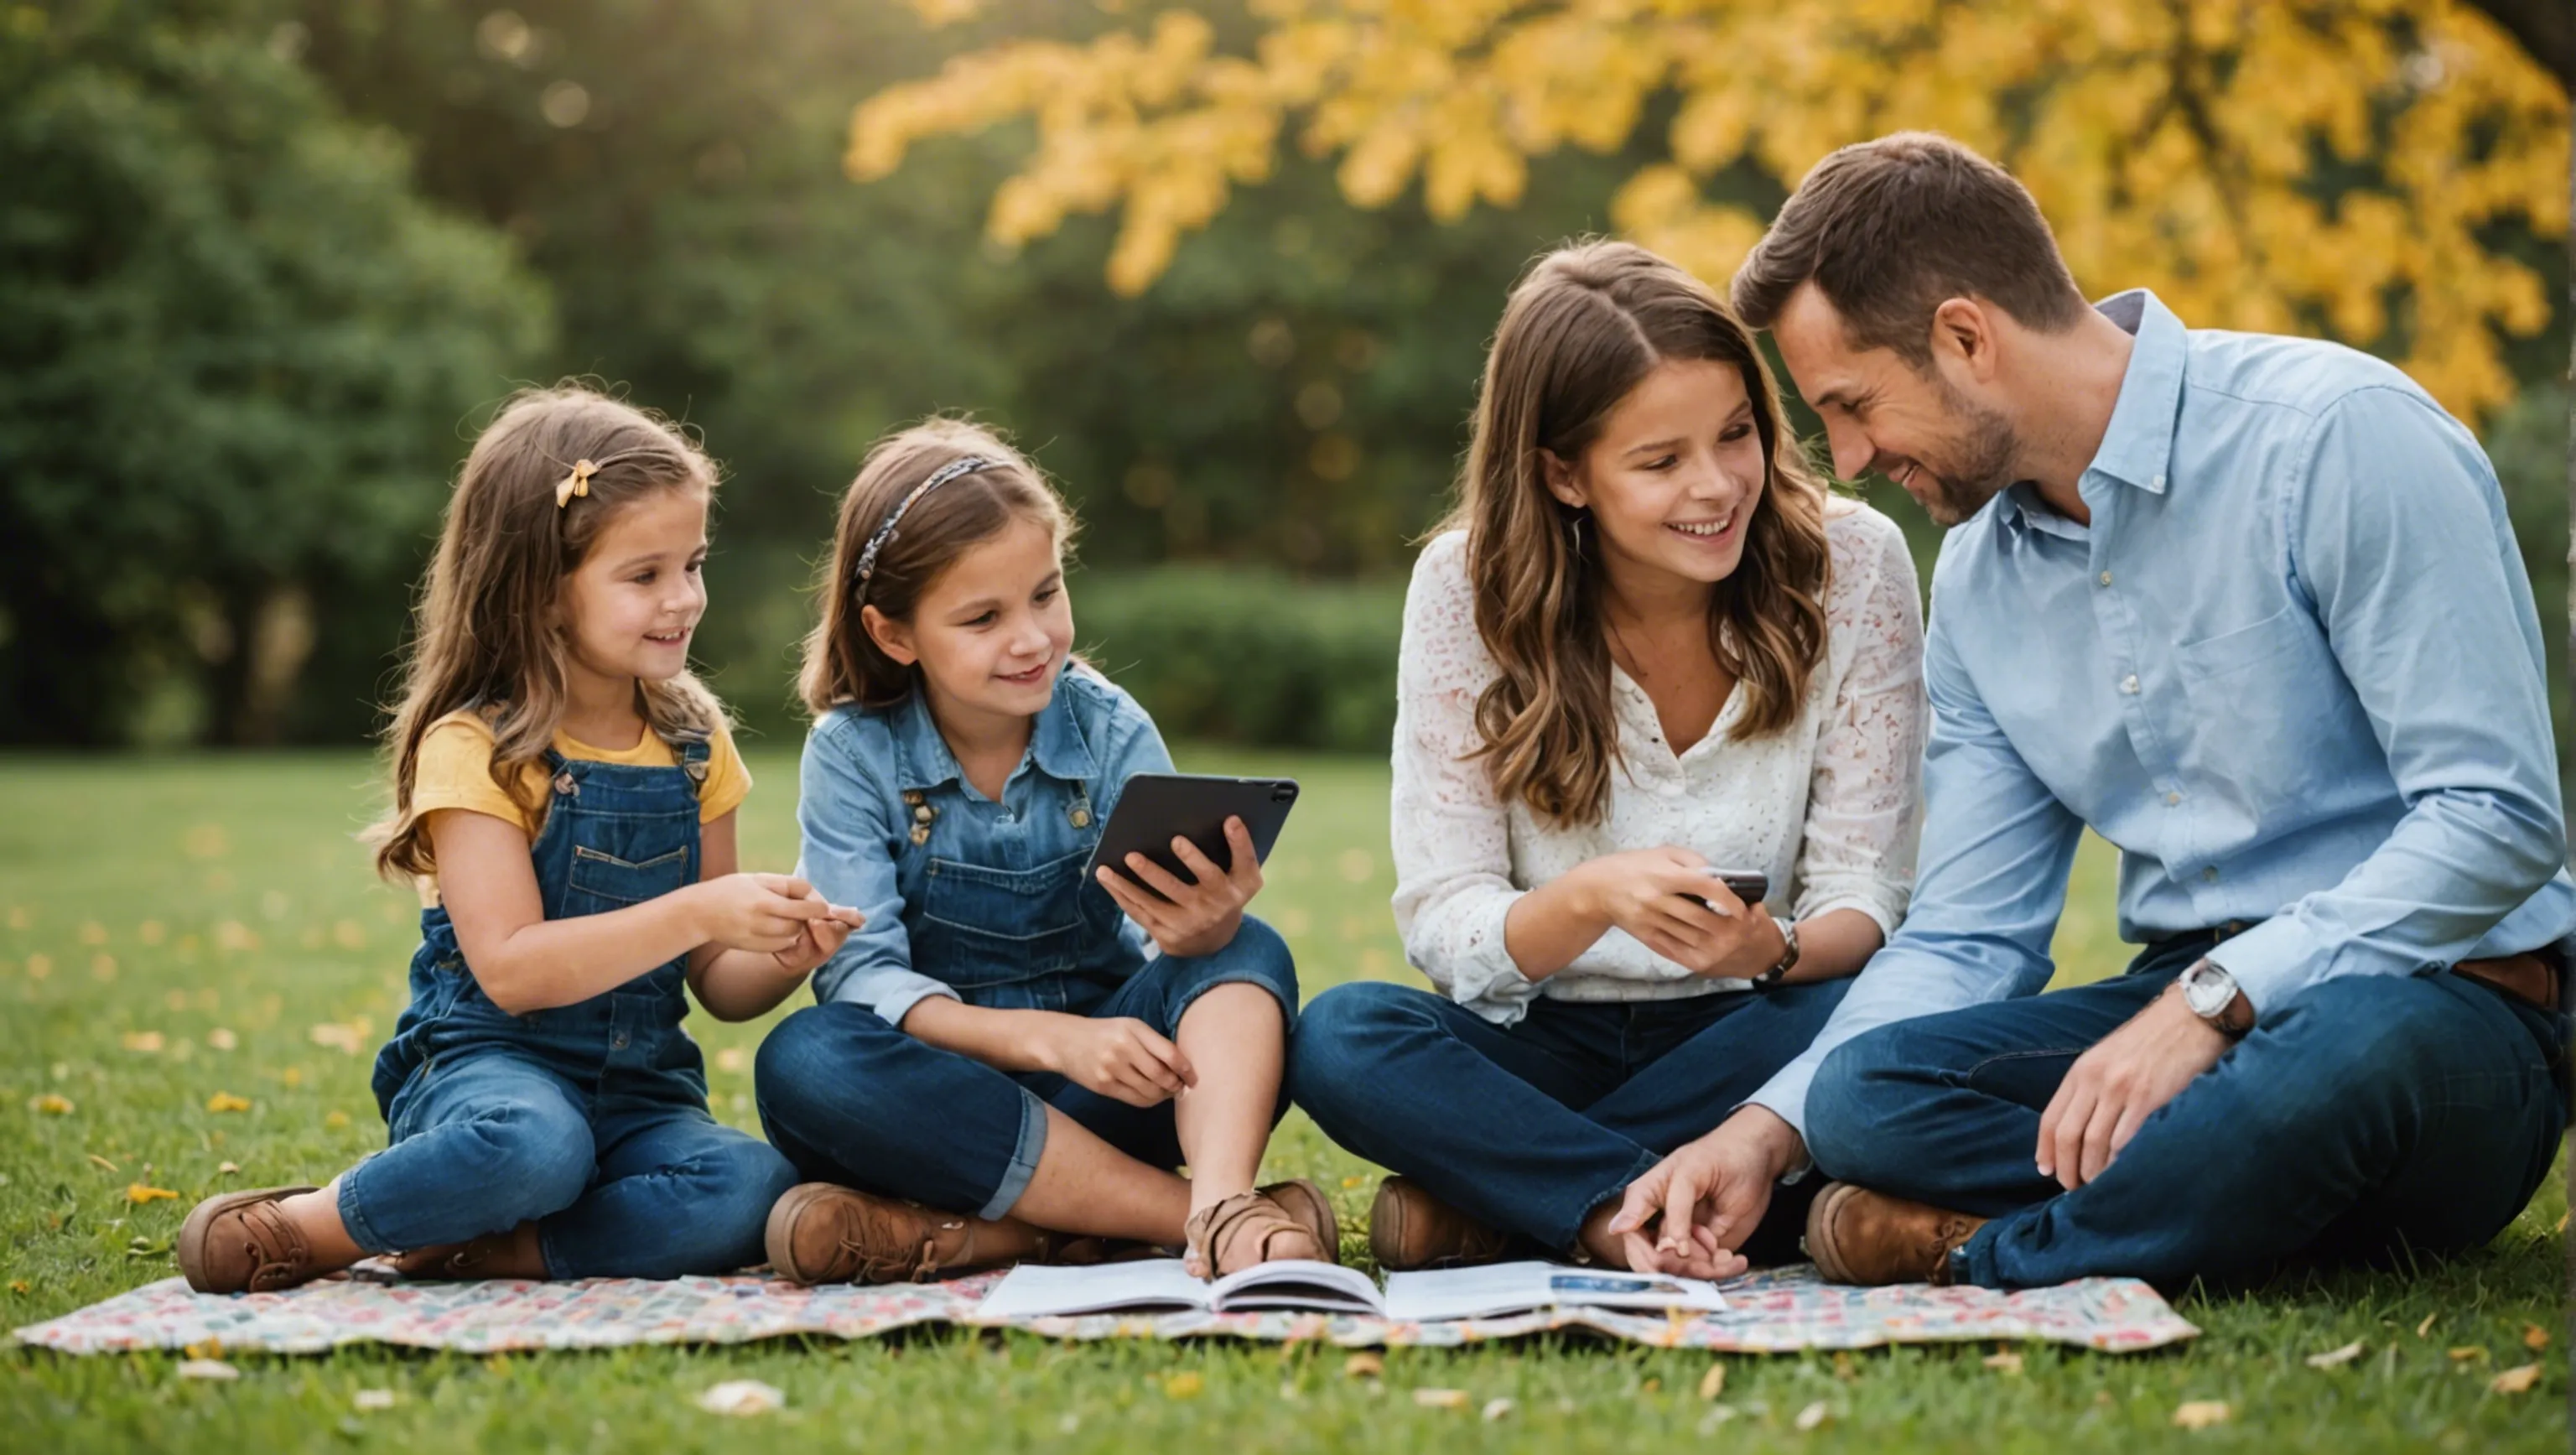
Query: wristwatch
(2212, 995)
(1788, 958)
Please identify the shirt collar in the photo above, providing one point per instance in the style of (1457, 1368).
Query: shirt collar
(2137, 445)
(2137, 448)
(1056, 744)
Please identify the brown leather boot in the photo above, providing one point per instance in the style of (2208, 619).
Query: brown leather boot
(1410, 1229)
(239, 1242)
(821, 1233)
(512, 1253)
(1864, 1237)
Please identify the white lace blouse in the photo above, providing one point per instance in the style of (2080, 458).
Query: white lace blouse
(1827, 808)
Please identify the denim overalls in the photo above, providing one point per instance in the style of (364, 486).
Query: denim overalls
(591, 1117)
(987, 902)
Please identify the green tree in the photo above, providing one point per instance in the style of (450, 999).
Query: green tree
(238, 358)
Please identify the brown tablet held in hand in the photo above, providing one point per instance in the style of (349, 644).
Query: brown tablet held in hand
(1156, 808)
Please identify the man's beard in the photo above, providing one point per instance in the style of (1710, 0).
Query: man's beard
(1978, 467)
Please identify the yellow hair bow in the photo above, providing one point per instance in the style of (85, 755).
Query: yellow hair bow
(576, 483)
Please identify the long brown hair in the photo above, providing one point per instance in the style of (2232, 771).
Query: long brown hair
(484, 631)
(1584, 325)
(842, 662)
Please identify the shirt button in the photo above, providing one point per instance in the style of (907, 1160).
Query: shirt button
(2129, 684)
(2104, 578)
(617, 1042)
(2209, 875)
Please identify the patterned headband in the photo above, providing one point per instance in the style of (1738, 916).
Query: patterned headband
(962, 465)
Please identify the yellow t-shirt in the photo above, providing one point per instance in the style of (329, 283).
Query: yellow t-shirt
(455, 771)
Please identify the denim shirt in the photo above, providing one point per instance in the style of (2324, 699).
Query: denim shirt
(2291, 669)
(965, 897)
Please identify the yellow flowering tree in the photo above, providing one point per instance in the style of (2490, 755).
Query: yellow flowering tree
(2285, 165)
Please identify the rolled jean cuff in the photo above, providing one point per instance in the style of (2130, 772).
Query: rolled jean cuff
(1286, 1001)
(353, 1212)
(1568, 1238)
(1024, 1158)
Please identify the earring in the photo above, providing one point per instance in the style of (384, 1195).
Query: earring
(1576, 528)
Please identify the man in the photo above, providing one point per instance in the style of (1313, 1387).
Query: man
(2250, 608)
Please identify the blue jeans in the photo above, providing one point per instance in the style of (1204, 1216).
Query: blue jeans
(622, 1182)
(2365, 1115)
(854, 1100)
(1531, 1126)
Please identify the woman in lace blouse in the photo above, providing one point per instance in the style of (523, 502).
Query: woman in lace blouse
(1649, 646)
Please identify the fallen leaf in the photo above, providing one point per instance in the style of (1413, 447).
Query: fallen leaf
(2007, 1362)
(226, 1101)
(1813, 1416)
(1496, 1409)
(2200, 1414)
(1350, 1182)
(203, 1349)
(227, 1169)
(136, 1192)
(148, 1043)
(1441, 1399)
(221, 1039)
(1363, 1366)
(40, 967)
(2467, 1352)
(93, 933)
(338, 1036)
(2534, 1337)
(20, 1285)
(335, 1120)
(1185, 1385)
(2332, 1357)
(1713, 1383)
(2562, 1217)
(207, 1369)
(742, 1397)
(51, 1103)
(2517, 1380)
(103, 1164)
(292, 1076)
(2426, 1327)
(373, 1399)
(1650, 1386)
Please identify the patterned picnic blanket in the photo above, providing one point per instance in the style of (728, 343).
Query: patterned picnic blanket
(1775, 1311)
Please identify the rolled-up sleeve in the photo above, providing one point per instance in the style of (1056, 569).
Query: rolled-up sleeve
(1450, 831)
(1863, 792)
(849, 827)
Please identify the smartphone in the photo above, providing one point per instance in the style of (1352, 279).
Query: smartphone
(1749, 885)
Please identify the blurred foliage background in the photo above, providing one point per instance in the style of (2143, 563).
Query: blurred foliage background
(265, 266)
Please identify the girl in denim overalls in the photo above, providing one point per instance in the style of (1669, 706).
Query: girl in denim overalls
(548, 1116)
(1010, 1058)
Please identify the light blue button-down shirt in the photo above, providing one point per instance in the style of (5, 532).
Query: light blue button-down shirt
(2291, 669)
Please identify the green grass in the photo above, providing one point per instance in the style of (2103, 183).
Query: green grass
(205, 901)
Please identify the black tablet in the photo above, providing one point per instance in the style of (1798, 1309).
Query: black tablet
(1156, 808)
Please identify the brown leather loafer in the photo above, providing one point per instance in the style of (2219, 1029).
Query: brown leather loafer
(822, 1233)
(1262, 1216)
(1410, 1229)
(239, 1242)
(1864, 1237)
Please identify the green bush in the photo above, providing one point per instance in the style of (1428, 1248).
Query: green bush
(1249, 656)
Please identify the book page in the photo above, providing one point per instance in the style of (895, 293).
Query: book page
(1153, 1285)
(1297, 1283)
(1501, 1288)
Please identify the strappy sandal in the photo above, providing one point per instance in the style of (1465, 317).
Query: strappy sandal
(1293, 1208)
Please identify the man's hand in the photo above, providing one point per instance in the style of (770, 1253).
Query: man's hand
(2119, 1083)
(1706, 1198)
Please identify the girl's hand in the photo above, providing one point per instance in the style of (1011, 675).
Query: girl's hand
(1194, 918)
(1119, 1058)
(1655, 894)
(766, 913)
(822, 939)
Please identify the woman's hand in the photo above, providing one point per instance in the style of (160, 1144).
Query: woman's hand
(1656, 896)
(1194, 918)
(1119, 1058)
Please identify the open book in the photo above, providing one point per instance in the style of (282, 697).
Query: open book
(1031, 1291)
